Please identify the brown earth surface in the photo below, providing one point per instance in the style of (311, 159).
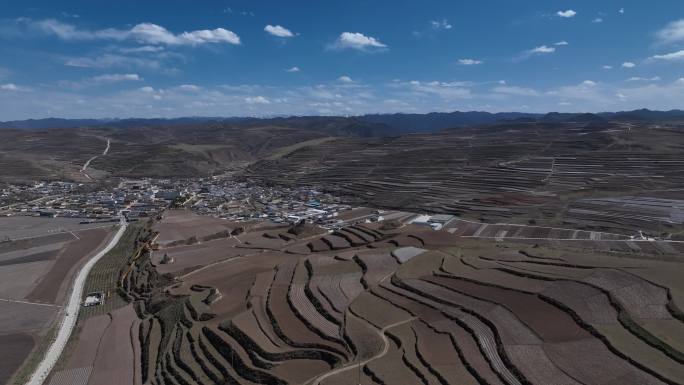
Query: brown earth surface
(180, 225)
(52, 286)
(13, 350)
(466, 311)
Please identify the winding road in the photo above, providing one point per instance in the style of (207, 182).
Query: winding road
(70, 312)
(87, 163)
(381, 354)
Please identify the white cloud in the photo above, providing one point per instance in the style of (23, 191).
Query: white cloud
(279, 31)
(597, 20)
(111, 78)
(672, 33)
(358, 41)
(142, 49)
(100, 80)
(673, 56)
(513, 90)
(218, 35)
(621, 11)
(653, 95)
(628, 64)
(542, 49)
(111, 60)
(331, 98)
(345, 79)
(434, 26)
(469, 62)
(444, 90)
(587, 91)
(560, 43)
(149, 33)
(641, 79)
(145, 33)
(336, 98)
(607, 67)
(10, 87)
(440, 24)
(66, 31)
(189, 87)
(292, 69)
(152, 34)
(257, 100)
(566, 14)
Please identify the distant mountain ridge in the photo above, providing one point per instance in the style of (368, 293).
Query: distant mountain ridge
(436, 121)
(364, 125)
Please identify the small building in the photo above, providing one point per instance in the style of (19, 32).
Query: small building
(93, 299)
(168, 195)
(441, 218)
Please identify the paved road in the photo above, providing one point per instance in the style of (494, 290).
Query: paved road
(353, 365)
(70, 313)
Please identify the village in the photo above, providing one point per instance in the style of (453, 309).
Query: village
(219, 197)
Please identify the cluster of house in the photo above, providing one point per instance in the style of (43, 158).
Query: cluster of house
(237, 201)
(217, 196)
(139, 198)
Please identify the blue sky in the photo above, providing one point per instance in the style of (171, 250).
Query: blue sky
(261, 58)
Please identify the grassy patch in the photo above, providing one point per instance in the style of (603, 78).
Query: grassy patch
(104, 276)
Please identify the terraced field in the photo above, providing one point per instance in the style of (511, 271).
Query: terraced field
(587, 176)
(404, 306)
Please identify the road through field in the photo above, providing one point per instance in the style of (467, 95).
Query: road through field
(59, 231)
(70, 312)
(87, 163)
(384, 351)
(27, 302)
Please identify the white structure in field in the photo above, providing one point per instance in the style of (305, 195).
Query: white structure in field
(71, 309)
(93, 299)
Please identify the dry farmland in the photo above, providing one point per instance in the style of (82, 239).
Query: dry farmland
(598, 177)
(181, 225)
(46, 257)
(387, 305)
